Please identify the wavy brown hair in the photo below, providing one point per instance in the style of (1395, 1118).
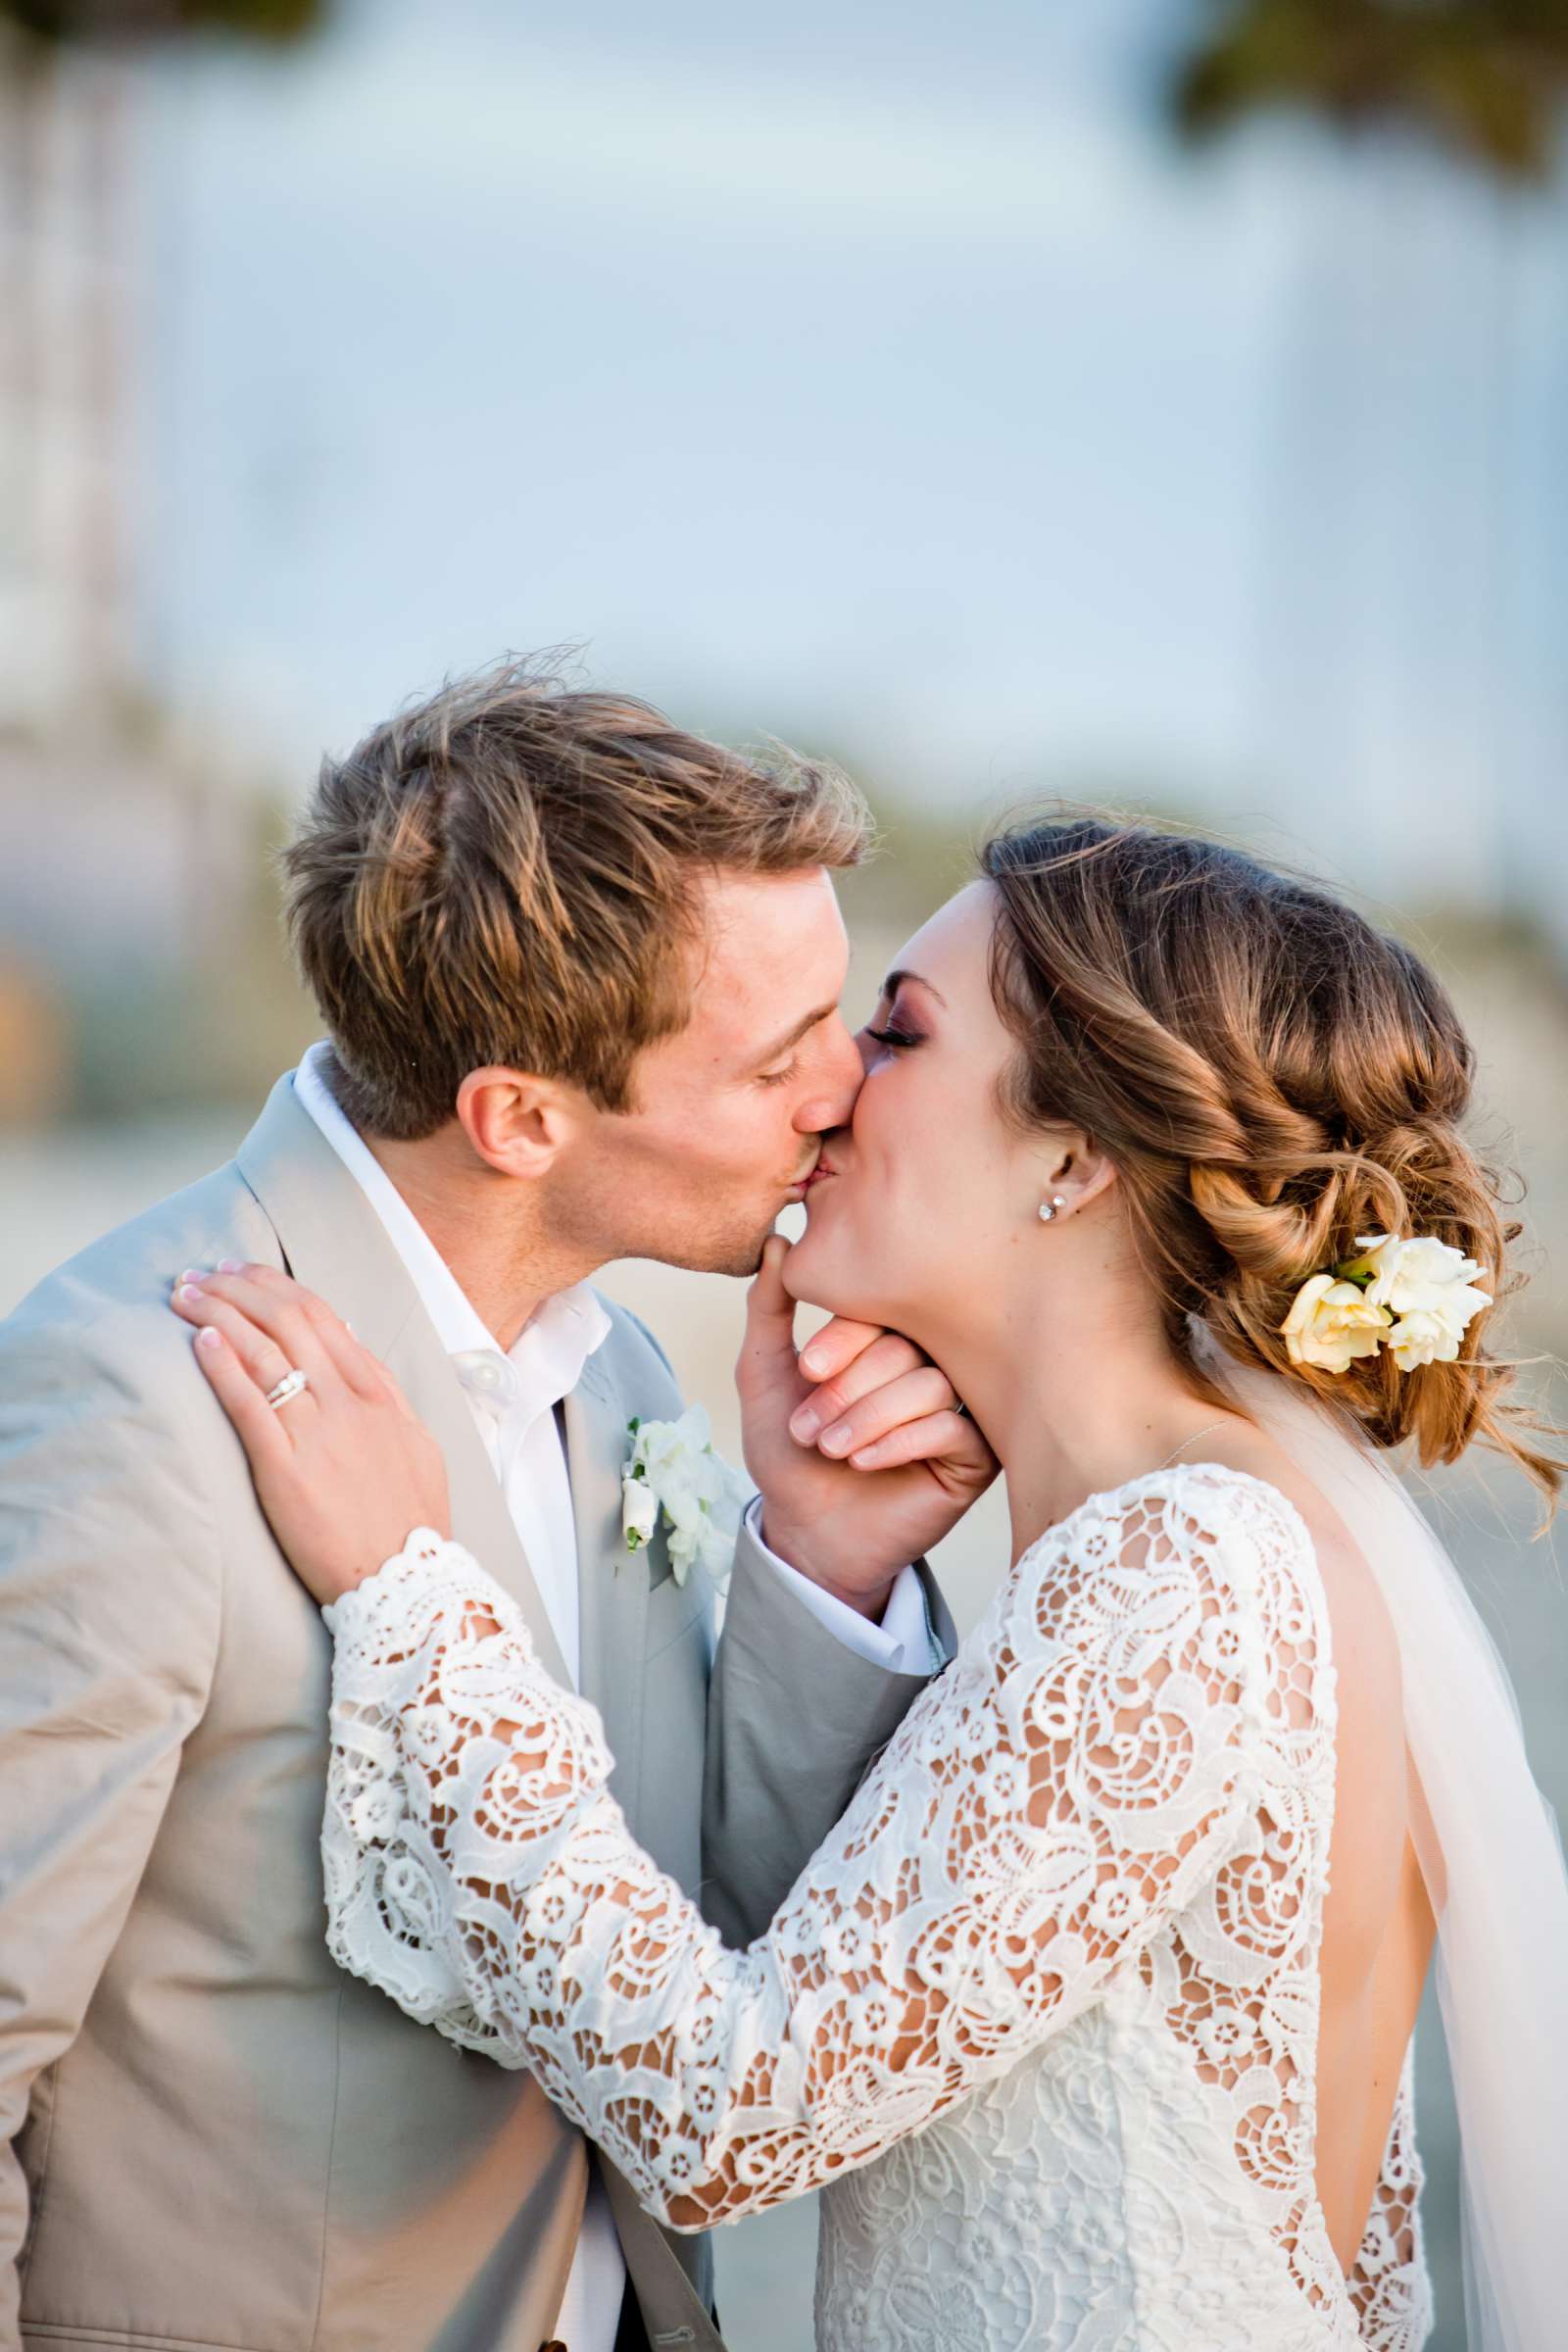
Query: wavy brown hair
(1271, 1077)
(511, 872)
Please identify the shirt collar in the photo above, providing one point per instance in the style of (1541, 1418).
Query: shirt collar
(548, 1353)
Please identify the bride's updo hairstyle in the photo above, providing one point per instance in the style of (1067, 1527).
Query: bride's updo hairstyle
(1271, 1078)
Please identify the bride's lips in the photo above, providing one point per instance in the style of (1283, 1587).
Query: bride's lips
(803, 1186)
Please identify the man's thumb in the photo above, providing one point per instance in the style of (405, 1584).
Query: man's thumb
(770, 1309)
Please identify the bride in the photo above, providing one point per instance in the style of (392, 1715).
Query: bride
(1094, 2014)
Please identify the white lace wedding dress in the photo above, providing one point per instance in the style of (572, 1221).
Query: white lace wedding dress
(1042, 2013)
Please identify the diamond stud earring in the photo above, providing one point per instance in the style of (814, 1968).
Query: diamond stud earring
(1049, 1208)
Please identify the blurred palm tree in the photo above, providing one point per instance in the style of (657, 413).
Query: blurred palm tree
(67, 289)
(1486, 78)
(46, 21)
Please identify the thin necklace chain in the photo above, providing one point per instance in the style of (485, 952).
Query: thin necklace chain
(1207, 1431)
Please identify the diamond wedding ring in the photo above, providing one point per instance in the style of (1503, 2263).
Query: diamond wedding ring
(292, 1385)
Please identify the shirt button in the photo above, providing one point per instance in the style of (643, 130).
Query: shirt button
(485, 1374)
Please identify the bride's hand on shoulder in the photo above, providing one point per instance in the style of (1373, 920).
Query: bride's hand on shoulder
(343, 1469)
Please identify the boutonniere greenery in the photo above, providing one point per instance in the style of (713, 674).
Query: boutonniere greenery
(673, 1469)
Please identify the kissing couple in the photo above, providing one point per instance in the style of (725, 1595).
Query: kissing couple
(1077, 1961)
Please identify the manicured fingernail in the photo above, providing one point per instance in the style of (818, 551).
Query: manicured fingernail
(208, 1336)
(866, 1459)
(231, 1265)
(805, 1424)
(193, 1274)
(812, 1360)
(188, 1294)
(837, 1441)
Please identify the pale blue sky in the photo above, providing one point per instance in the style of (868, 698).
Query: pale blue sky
(883, 374)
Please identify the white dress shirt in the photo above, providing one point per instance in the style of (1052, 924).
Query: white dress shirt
(513, 1396)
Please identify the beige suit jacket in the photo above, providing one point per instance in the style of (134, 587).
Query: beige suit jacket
(216, 2143)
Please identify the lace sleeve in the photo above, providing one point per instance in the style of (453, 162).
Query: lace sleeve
(1085, 1764)
(1388, 2286)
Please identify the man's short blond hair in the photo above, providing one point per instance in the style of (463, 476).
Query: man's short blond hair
(511, 873)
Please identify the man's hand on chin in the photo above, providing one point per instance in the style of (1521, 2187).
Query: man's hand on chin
(861, 1467)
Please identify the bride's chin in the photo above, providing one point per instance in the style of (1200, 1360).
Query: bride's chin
(808, 1274)
(797, 1273)
(813, 1280)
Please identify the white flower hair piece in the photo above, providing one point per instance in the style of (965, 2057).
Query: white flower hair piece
(674, 1468)
(1416, 1297)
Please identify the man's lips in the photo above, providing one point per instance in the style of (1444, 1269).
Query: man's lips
(821, 1166)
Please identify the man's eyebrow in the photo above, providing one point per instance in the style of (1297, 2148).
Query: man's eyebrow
(823, 1012)
(895, 981)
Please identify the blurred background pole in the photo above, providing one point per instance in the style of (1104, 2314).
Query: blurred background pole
(73, 301)
(75, 504)
(1481, 85)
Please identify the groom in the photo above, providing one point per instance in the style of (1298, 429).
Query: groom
(580, 974)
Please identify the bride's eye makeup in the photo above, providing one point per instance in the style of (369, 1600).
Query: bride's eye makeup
(898, 1030)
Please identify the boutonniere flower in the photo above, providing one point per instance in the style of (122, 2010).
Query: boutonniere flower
(672, 1468)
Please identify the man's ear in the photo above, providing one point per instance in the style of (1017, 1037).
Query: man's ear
(516, 1123)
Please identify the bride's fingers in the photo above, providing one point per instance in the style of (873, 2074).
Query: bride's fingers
(261, 1429)
(362, 1372)
(275, 1313)
(891, 1406)
(256, 1350)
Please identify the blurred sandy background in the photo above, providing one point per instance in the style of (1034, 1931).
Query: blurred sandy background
(1139, 400)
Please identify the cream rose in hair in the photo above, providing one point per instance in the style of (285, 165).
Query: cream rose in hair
(1421, 1276)
(1423, 1336)
(1415, 1296)
(1331, 1323)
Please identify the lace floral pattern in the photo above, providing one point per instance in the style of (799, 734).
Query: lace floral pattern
(1043, 2010)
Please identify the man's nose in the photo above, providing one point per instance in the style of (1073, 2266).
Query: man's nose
(831, 1101)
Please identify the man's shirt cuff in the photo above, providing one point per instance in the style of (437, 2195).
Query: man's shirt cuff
(902, 1643)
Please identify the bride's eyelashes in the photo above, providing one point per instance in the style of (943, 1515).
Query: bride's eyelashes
(895, 1029)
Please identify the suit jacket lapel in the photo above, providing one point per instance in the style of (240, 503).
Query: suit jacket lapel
(611, 1582)
(335, 1242)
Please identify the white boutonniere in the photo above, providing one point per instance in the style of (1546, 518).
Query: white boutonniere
(672, 1468)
